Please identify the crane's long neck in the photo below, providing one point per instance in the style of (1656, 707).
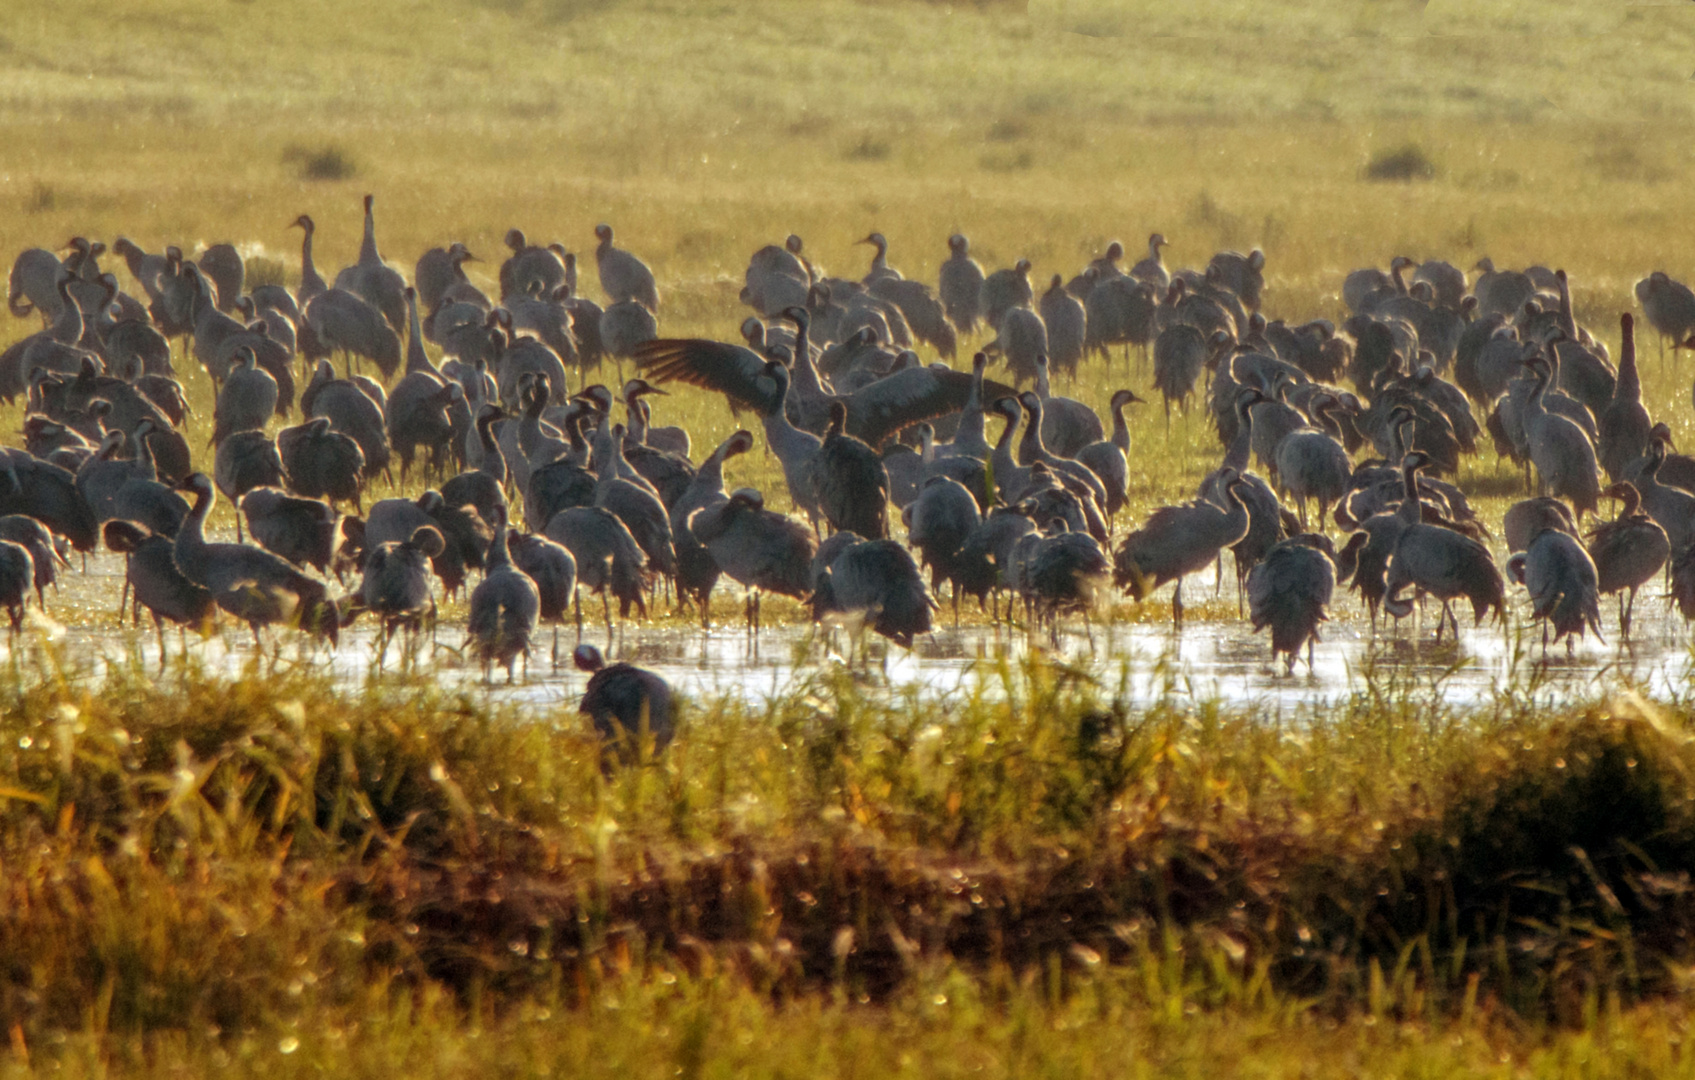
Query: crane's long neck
(368, 246)
(1031, 447)
(637, 415)
(310, 283)
(1410, 512)
(416, 358)
(710, 475)
(1120, 430)
(191, 538)
(144, 458)
(1237, 456)
(499, 555)
(1568, 322)
(492, 459)
(807, 379)
(1628, 388)
(1006, 469)
(68, 327)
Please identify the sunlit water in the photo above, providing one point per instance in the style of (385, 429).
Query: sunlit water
(1208, 661)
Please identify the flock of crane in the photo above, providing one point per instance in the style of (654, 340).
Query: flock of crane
(1357, 426)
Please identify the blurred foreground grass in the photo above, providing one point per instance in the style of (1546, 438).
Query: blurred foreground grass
(265, 874)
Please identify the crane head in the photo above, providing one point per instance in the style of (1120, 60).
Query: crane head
(587, 658)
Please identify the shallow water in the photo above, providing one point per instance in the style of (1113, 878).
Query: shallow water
(1145, 661)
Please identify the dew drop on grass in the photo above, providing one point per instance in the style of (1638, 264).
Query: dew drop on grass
(288, 1045)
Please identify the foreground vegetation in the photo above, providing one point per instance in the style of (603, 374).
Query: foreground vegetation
(268, 873)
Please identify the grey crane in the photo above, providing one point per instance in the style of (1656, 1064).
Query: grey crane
(609, 561)
(623, 276)
(1624, 426)
(1312, 463)
(17, 578)
(1290, 590)
(322, 464)
(1671, 506)
(1004, 290)
(630, 707)
(483, 485)
(554, 570)
(759, 549)
(548, 318)
(1151, 270)
(466, 536)
(1119, 311)
(373, 280)
(45, 558)
(530, 269)
(1068, 425)
(673, 440)
(341, 319)
(1109, 459)
(1032, 449)
(1628, 551)
(1066, 322)
(638, 507)
(1527, 517)
(54, 349)
(395, 586)
(1438, 561)
(875, 584)
(441, 269)
(875, 413)
(103, 475)
(1062, 572)
(923, 314)
(1669, 305)
(47, 493)
(351, 412)
(306, 532)
(776, 278)
(1563, 455)
(1501, 291)
(250, 583)
(1021, 339)
(939, 522)
(960, 285)
(144, 268)
(1180, 355)
(1177, 541)
(626, 324)
(1446, 281)
(851, 483)
(223, 264)
(424, 410)
(880, 268)
(697, 570)
(247, 399)
(504, 609)
(1560, 577)
(150, 570)
(33, 285)
(143, 498)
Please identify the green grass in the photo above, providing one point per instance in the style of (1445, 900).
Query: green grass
(263, 875)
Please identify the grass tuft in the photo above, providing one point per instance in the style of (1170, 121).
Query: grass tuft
(1403, 164)
(324, 163)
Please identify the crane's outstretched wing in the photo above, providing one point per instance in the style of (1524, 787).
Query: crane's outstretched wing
(735, 371)
(912, 396)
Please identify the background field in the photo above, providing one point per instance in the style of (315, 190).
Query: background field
(1559, 133)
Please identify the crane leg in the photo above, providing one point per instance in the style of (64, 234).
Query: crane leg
(1177, 606)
